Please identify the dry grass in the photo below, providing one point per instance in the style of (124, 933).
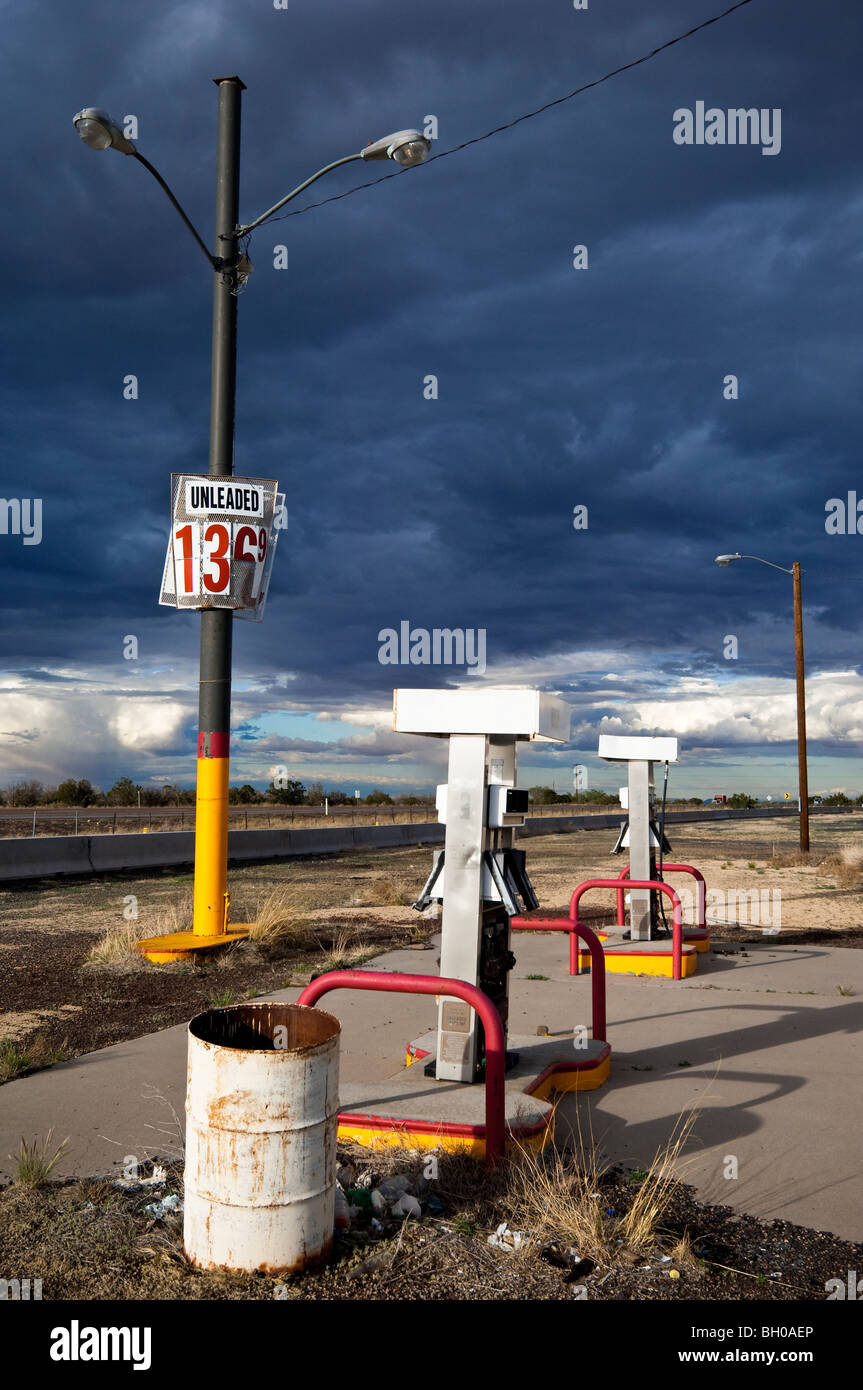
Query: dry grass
(641, 1224)
(846, 867)
(276, 924)
(345, 950)
(40, 1053)
(387, 890)
(34, 1162)
(558, 1198)
(790, 859)
(682, 1253)
(117, 949)
(13, 1060)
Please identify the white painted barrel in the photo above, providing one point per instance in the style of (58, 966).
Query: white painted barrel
(261, 1115)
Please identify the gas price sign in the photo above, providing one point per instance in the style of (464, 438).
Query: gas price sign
(223, 538)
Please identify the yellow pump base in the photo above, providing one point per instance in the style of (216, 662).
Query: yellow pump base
(644, 958)
(185, 945)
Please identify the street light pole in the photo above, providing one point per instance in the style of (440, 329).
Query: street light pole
(100, 131)
(803, 774)
(214, 691)
(802, 769)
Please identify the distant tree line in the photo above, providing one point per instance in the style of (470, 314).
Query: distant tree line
(547, 796)
(82, 794)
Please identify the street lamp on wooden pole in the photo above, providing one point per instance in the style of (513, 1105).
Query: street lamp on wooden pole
(802, 771)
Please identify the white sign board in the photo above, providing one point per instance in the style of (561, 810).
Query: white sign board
(637, 749)
(223, 537)
(524, 714)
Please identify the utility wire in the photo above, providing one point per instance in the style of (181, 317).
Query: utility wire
(529, 115)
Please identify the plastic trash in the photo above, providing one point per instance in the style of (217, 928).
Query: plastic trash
(360, 1197)
(505, 1239)
(342, 1211)
(167, 1204)
(407, 1205)
(392, 1188)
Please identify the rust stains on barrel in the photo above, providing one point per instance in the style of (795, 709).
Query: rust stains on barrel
(262, 1104)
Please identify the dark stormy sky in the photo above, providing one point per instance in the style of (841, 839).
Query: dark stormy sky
(557, 387)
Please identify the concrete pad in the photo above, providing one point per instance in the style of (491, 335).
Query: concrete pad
(409, 1095)
(760, 1041)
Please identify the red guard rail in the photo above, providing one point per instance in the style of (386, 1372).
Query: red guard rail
(677, 907)
(495, 1043)
(700, 895)
(597, 956)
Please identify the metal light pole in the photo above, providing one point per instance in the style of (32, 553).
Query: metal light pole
(100, 131)
(802, 770)
(211, 899)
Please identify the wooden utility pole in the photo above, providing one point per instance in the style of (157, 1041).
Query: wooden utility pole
(803, 775)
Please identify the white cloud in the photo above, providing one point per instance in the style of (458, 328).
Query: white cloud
(147, 724)
(750, 711)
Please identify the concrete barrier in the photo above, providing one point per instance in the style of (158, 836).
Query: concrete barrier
(565, 825)
(163, 849)
(369, 836)
(44, 857)
(51, 856)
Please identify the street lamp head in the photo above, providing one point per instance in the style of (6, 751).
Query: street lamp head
(100, 131)
(726, 559)
(406, 147)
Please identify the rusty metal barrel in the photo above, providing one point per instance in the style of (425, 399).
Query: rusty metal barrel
(261, 1117)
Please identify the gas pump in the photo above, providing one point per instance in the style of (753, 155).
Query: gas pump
(479, 876)
(643, 832)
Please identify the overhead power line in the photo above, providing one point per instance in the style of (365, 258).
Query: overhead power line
(528, 115)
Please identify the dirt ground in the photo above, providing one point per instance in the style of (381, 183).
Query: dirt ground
(53, 1005)
(89, 1241)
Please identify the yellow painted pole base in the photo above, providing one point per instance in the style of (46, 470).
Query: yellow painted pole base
(451, 1139)
(185, 945)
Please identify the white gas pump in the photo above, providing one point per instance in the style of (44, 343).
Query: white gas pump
(479, 876)
(641, 832)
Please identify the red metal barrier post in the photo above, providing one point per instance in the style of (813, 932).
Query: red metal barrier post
(597, 956)
(394, 983)
(677, 910)
(700, 894)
